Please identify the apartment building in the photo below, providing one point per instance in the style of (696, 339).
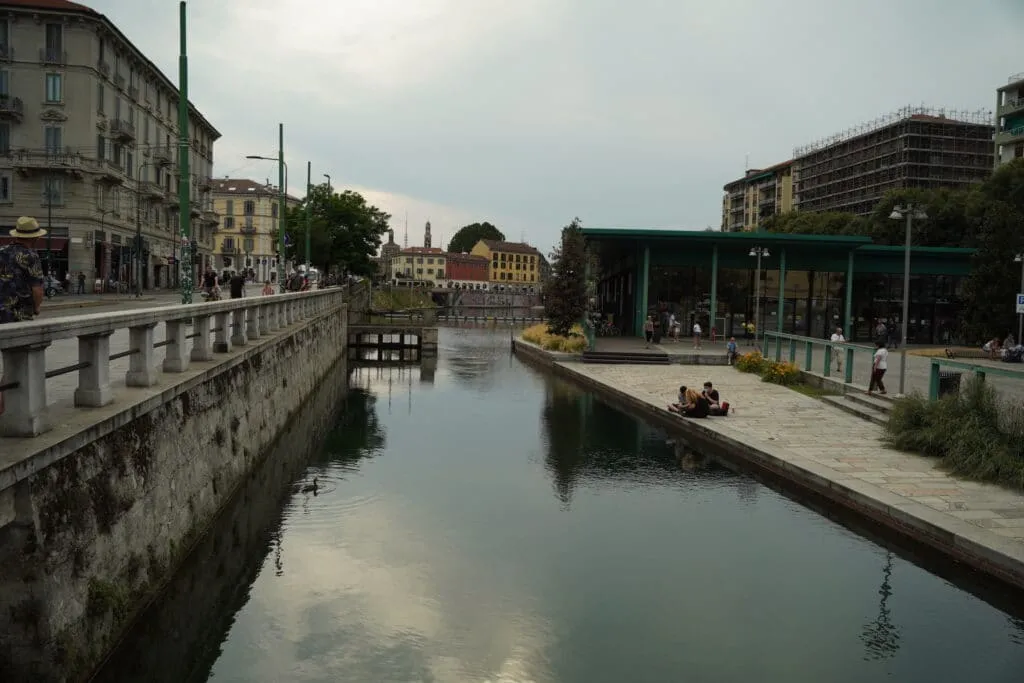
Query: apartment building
(512, 262)
(1009, 137)
(424, 264)
(914, 147)
(248, 213)
(758, 195)
(89, 146)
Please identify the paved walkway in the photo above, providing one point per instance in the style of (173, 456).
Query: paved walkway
(816, 439)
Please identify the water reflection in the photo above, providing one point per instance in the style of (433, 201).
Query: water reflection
(881, 637)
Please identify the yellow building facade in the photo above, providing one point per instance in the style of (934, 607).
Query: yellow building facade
(420, 263)
(248, 221)
(510, 262)
(757, 196)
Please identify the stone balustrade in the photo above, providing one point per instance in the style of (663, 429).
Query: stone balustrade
(216, 328)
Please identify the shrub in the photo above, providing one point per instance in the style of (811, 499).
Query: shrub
(541, 335)
(750, 362)
(780, 372)
(972, 433)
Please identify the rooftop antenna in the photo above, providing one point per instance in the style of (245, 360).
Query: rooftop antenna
(405, 240)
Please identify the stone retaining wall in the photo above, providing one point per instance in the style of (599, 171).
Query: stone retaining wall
(93, 534)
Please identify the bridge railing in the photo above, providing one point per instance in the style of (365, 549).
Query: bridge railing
(938, 379)
(216, 327)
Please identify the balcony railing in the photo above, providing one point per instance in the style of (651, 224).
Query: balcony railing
(119, 80)
(153, 190)
(162, 155)
(210, 217)
(229, 248)
(11, 108)
(210, 329)
(122, 130)
(58, 159)
(49, 55)
(133, 92)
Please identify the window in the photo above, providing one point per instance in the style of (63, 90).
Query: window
(229, 222)
(5, 138)
(5, 38)
(273, 210)
(103, 49)
(131, 114)
(145, 129)
(250, 207)
(54, 88)
(5, 83)
(129, 163)
(5, 187)
(53, 137)
(117, 157)
(101, 147)
(101, 96)
(53, 190)
(117, 106)
(229, 243)
(229, 207)
(249, 246)
(54, 41)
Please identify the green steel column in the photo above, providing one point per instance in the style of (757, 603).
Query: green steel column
(184, 186)
(714, 289)
(782, 288)
(848, 316)
(643, 274)
(309, 191)
(282, 221)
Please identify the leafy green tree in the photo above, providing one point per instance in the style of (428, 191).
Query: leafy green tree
(467, 236)
(565, 293)
(345, 231)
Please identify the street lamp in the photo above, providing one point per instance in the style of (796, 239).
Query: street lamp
(759, 252)
(309, 192)
(329, 190)
(1019, 258)
(910, 213)
(283, 181)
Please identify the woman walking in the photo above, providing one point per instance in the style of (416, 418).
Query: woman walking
(879, 364)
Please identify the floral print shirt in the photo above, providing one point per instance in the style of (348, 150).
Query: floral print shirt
(20, 271)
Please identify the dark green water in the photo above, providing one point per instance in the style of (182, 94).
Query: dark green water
(483, 522)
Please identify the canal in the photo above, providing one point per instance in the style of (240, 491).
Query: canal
(480, 521)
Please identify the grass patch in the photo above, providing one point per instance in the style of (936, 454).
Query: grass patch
(812, 391)
(940, 352)
(542, 337)
(972, 433)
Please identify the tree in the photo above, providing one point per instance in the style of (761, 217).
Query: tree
(462, 242)
(345, 230)
(565, 293)
(824, 223)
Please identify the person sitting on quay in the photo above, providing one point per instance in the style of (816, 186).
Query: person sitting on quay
(717, 406)
(691, 403)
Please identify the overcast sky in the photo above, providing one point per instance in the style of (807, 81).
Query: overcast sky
(529, 112)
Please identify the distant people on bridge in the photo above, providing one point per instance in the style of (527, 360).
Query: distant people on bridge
(21, 274)
(267, 288)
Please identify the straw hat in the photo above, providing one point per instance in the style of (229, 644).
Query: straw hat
(27, 228)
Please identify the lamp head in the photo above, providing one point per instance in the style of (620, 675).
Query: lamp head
(896, 214)
(753, 252)
(1018, 258)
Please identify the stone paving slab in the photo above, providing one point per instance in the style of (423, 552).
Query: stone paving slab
(977, 522)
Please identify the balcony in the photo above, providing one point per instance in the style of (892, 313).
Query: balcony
(162, 156)
(133, 92)
(210, 217)
(1012, 105)
(31, 161)
(50, 55)
(11, 109)
(103, 68)
(119, 80)
(109, 172)
(195, 210)
(1011, 135)
(229, 248)
(152, 191)
(205, 184)
(122, 131)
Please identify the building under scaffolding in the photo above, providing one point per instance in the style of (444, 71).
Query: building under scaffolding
(915, 147)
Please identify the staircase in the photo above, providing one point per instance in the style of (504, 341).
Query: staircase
(625, 358)
(872, 408)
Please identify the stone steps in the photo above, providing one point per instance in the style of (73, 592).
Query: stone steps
(616, 358)
(870, 408)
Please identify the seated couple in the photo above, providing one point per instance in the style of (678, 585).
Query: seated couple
(694, 404)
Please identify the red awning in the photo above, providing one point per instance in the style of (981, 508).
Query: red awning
(40, 243)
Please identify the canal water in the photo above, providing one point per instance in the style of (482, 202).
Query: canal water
(477, 520)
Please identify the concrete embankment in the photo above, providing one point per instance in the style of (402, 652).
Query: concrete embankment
(99, 512)
(817, 448)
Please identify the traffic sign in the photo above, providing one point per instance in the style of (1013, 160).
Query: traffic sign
(1020, 303)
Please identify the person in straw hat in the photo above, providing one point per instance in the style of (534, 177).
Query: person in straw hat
(21, 274)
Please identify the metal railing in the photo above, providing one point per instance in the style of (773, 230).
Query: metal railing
(231, 323)
(842, 357)
(980, 372)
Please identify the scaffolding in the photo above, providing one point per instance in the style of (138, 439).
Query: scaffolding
(916, 147)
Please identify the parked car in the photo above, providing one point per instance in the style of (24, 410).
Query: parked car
(52, 287)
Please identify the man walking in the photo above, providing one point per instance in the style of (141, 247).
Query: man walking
(21, 274)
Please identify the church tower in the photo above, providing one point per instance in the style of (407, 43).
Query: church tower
(426, 236)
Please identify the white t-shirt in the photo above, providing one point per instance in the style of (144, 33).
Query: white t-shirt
(838, 338)
(672, 321)
(696, 328)
(882, 358)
